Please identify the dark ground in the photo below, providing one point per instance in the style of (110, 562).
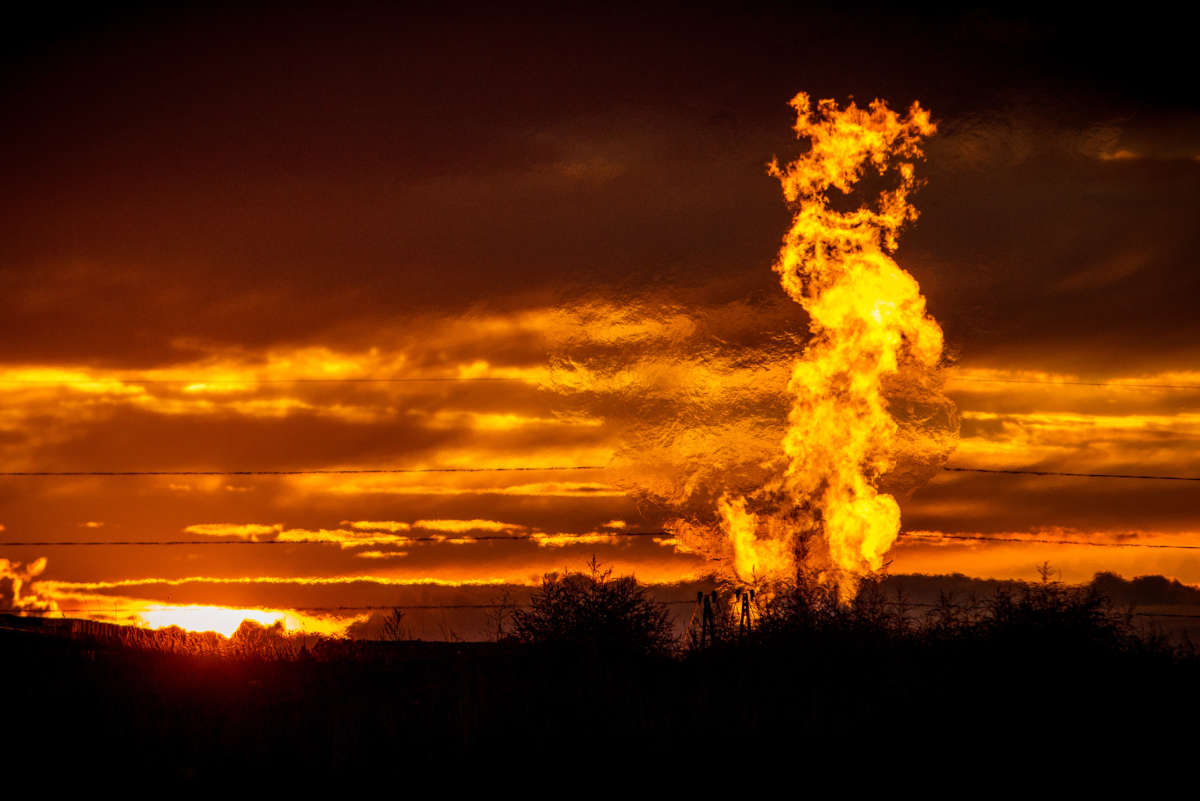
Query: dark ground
(1023, 684)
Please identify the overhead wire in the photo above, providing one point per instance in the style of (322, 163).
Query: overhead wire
(1031, 472)
(40, 382)
(400, 539)
(585, 538)
(315, 472)
(1045, 382)
(1046, 541)
(202, 607)
(518, 468)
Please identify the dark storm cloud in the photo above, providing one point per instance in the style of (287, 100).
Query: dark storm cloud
(997, 503)
(1054, 257)
(278, 177)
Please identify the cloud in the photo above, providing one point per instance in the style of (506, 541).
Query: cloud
(356, 537)
(494, 485)
(248, 531)
(343, 538)
(567, 540)
(1117, 268)
(19, 591)
(1117, 155)
(464, 526)
(377, 525)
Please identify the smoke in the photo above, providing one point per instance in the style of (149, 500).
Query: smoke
(694, 392)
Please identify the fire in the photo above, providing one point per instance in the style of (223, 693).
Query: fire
(869, 328)
(754, 557)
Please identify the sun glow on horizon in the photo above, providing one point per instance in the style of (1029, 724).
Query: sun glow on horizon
(223, 620)
(200, 618)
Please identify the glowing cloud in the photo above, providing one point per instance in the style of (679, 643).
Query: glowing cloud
(16, 578)
(463, 526)
(249, 531)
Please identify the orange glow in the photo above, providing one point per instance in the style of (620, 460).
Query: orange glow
(225, 620)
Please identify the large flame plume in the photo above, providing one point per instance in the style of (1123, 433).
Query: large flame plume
(869, 328)
(775, 451)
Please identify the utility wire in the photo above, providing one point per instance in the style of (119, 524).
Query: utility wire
(39, 382)
(485, 379)
(199, 607)
(519, 468)
(1113, 384)
(1070, 475)
(334, 471)
(202, 607)
(401, 539)
(1047, 541)
(583, 538)
(985, 605)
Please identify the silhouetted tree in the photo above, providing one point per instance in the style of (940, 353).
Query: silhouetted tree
(593, 609)
(394, 628)
(499, 618)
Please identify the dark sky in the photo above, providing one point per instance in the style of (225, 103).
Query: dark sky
(203, 195)
(274, 176)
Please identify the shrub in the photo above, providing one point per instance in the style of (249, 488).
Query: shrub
(594, 610)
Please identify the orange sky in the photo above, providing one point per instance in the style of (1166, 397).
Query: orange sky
(582, 266)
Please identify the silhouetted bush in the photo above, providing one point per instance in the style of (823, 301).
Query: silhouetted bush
(807, 605)
(594, 610)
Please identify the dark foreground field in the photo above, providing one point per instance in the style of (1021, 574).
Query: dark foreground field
(1023, 679)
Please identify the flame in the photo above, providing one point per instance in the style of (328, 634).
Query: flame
(753, 557)
(868, 324)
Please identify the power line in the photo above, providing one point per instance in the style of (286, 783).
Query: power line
(39, 382)
(400, 539)
(977, 606)
(1070, 475)
(584, 538)
(1113, 384)
(518, 468)
(501, 379)
(1048, 541)
(334, 472)
(200, 607)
